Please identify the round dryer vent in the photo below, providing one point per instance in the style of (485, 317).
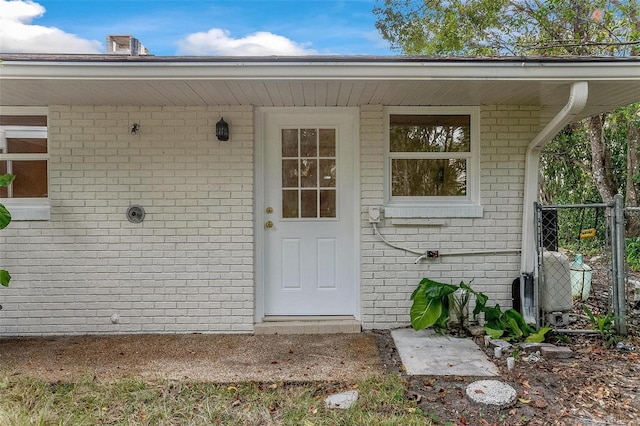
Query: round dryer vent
(135, 214)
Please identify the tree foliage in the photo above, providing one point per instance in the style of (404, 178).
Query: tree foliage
(510, 27)
(593, 159)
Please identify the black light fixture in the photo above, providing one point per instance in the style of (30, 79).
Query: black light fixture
(222, 130)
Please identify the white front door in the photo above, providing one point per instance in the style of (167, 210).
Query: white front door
(309, 219)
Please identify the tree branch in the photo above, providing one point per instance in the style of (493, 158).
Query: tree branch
(563, 157)
(588, 43)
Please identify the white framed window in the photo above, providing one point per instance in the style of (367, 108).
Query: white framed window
(432, 162)
(24, 152)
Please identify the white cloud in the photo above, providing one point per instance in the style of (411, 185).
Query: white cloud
(19, 35)
(219, 42)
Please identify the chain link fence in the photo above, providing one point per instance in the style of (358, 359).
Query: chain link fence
(575, 262)
(632, 261)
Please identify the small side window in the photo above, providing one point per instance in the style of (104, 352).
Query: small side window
(24, 152)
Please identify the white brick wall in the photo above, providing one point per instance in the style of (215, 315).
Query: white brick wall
(187, 268)
(389, 276)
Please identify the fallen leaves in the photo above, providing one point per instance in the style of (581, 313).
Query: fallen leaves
(540, 403)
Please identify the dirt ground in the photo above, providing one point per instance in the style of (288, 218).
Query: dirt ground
(597, 386)
(222, 358)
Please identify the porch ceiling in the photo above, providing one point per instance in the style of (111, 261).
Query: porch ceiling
(40, 80)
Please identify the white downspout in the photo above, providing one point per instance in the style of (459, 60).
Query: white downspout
(577, 101)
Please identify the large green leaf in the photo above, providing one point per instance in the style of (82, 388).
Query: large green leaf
(419, 289)
(538, 337)
(425, 311)
(511, 326)
(435, 289)
(6, 179)
(4, 277)
(515, 316)
(5, 217)
(430, 304)
(493, 333)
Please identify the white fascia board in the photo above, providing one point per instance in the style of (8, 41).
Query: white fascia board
(333, 70)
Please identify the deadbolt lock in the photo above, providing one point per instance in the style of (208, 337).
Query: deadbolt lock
(268, 224)
(269, 210)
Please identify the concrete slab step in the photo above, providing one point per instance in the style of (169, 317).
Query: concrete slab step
(311, 325)
(427, 353)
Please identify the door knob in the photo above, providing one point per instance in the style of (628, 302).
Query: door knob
(268, 224)
(269, 210)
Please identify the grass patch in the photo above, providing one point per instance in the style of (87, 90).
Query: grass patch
(27, 401)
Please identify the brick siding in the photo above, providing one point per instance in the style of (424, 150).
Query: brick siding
(389, 276)
(187, 268)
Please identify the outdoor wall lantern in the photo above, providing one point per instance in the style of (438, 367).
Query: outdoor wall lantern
(222, 130)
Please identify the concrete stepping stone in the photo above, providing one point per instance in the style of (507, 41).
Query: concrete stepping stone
(342, 400)
(492, 392)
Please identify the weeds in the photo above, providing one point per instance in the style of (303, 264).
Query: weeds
(633, 253)
(604, 325)
(382, 400)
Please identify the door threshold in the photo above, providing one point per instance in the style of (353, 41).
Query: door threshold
(308, 325)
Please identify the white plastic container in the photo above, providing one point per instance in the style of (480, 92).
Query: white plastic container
(555, 285)
(580, 278)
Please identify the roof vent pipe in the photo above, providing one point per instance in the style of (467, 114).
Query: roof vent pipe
(578, 95)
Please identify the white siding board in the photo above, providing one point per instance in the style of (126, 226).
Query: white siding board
(284, 90)
(274, 93)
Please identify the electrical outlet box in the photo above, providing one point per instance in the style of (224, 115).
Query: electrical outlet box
(432, 254)
(374, 214)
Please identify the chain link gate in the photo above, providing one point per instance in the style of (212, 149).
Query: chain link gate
(580, 261)
(632, 258)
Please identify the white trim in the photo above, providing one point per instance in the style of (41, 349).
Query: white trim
(23, 110)
(27, 208)
(432, 211)
(425, 207)
(259, 215)
(326, 68)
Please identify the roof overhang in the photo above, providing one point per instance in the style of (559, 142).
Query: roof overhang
(41, 80)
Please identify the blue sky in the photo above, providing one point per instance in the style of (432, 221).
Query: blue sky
(190, 27)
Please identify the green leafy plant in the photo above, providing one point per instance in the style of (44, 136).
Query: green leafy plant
(604, 325)
(5, 219)
(432, 302)
(430, 306)
(507, 325)
(539, 336)
(633, 253)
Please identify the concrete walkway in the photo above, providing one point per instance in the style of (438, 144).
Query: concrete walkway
(427, 353)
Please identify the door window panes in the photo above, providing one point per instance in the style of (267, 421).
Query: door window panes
(309, 173)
